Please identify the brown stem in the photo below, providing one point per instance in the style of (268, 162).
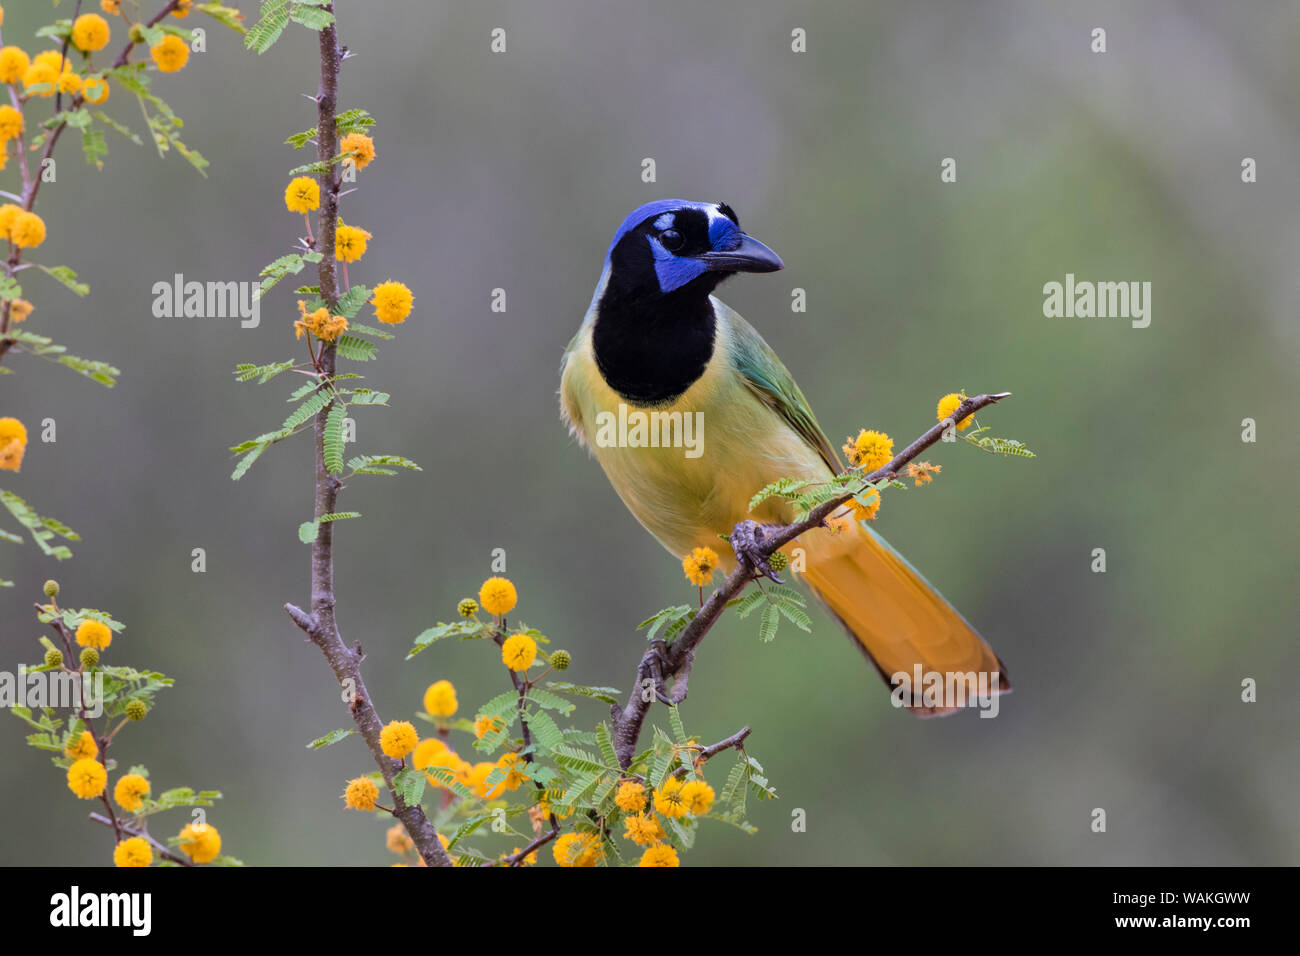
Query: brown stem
(320, 624)
(675, 660)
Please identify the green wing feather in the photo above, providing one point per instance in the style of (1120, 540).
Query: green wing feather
(772, 382)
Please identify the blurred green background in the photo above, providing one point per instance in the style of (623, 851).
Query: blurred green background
(512, 171)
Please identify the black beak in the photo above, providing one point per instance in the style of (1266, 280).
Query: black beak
(750, 256)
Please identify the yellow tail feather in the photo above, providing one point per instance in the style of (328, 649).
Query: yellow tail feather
(897, 618)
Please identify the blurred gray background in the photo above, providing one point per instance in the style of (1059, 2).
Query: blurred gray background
(512, 171)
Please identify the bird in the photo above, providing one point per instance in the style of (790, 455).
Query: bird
(656, 345)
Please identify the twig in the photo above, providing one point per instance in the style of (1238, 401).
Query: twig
(320, 625)
(163, 851)
(753, 544)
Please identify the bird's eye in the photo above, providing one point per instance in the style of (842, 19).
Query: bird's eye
(671, 240)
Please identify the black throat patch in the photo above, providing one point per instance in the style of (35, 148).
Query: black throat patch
(652, 350)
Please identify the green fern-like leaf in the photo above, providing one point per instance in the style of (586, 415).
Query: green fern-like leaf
(334, 438)
(356, 349)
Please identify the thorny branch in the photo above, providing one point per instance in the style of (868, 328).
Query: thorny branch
(753, 544)
(320, 625)
(32, 183)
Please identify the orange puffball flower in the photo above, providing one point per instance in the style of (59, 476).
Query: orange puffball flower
(440, 699)
(498, 596)
(13, 443)
(171, 54)
(200, 842)
(361, 147)
(350, 243)
(81, 746)
(699, 566)
(361, 794)
(130, 791)
(28, 230)
(133, 851)
(577, 849)
(870, 450)
(90, 32)
(398, 738)
(698, 796)
(302, 195)
(19, 309)
(94, 90)
(660, 855)
(669, 800)
(87, 778)
(14, 62)
(92, 633)
(11, 122)
(949, 404)
(392, 302)
(40, 79)
(518, 652)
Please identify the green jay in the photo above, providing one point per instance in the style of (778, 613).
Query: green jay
(656, 340)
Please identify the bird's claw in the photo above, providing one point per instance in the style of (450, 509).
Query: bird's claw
(747, 542)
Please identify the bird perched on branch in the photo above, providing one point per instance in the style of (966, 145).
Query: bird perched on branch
(689, 413)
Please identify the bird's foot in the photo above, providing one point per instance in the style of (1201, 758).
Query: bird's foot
(655, 667)
(747, 541)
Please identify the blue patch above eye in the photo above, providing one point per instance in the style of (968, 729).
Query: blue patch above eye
(724, 235)
(673, 271)
(665, 221)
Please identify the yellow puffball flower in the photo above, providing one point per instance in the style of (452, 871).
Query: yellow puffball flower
(361, 794)
(11, 429)
(200, 842)
(54, 58)
(866, 509)
(392, 302)
(94, 634)
(486, 725)
(28, 230)
(42, 75)
(111, 6)
(428, 750)
(94, 90)
(90, 32)
(949, 404)
(302, 195)
(182, 9)
(170, 54)
(643, 829)
(11, 122)
(14, 62)
(87, 778)
(669, 800)
(130, 791)
(510, 764)
(81, 746)
(134, 851)
(350, 243)
(498, 596)
(8, 213)
(478, 779)
(362, 148)
(398, 738)
(69, 82)
(13, 443)
(398, 840)
(659, 855)
(870, 450)
(19, 309)
(518, 652)
(699, 566)
(577, 849)
(698, 796)
(440, 699)
(630, 797)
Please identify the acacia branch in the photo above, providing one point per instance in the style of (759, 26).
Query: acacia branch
(320, 624)
(753, 545)
(32, 184)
